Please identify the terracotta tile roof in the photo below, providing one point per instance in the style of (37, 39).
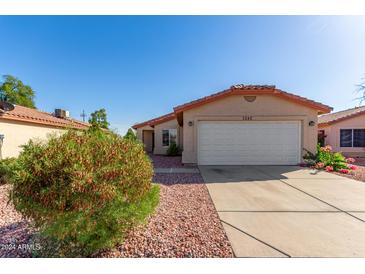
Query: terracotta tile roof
(340, 115)
(30, 115)
(256, 90)
(156, 121)
(236, 90)
(322, 108)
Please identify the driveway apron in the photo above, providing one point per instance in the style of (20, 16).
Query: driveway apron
(287, 211)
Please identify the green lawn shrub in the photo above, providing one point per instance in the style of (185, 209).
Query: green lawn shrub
(84, 189)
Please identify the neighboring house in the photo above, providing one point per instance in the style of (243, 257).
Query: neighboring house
(248, 125)
(344, 131)
(20, 125)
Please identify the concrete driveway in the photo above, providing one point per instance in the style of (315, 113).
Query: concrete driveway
(286, 211)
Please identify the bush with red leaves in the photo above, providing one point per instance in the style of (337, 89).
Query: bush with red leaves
(85, 189)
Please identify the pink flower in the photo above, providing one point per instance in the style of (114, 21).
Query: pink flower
(352, 167)
(350, 160)
(344, 171)
(326, 148)
(319, 165)
(329, 168)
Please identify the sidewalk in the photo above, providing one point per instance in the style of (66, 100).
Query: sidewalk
(176, 170)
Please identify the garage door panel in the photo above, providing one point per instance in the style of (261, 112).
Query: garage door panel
(248, 143)
(248, 151)
(249, 156)
(254, 147)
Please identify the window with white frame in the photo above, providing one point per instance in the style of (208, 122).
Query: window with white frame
(352, 137)
(169, 137)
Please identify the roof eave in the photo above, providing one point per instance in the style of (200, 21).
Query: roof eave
(38, 122)
(342, 118)
(158, 121)
(321, 108)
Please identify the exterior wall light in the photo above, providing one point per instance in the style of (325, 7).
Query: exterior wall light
(311, 123)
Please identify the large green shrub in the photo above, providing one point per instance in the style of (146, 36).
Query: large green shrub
(6, 167)
(84, 189)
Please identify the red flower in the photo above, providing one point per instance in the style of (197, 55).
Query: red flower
(344, 171)
(329, 168)
(353, 167)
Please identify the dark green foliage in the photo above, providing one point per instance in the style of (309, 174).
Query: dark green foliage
(173, 150)
(7, 166)
(130, 135)
(86, 189)
(309, 155)
(15, 91)
(98, 119)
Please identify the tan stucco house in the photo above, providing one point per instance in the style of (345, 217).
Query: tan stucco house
(245, 124)
(344, 131)
(20, 125)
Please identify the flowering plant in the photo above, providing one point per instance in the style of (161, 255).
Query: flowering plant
(329, 168)
(352, 167)
(344, 171)
(325, 157)
(350, 160)
(326, 148)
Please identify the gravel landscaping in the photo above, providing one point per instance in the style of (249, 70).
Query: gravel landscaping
(186, 224)
(160, 161)
(14, 230)
(358, 174)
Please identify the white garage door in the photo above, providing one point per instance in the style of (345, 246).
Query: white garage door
(249, 143)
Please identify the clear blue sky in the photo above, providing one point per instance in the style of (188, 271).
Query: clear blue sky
(139, 67)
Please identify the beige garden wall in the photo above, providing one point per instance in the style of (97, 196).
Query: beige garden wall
(333, 135)
(235, 107)
(19, 133)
